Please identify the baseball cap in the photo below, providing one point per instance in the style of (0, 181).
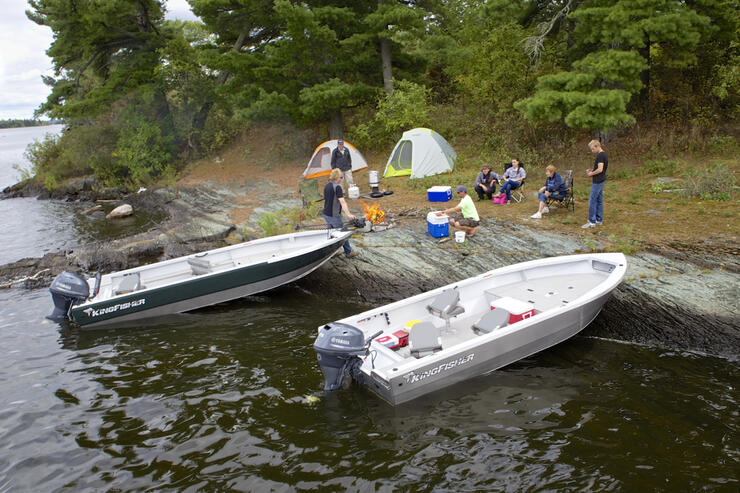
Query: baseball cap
(461, 188)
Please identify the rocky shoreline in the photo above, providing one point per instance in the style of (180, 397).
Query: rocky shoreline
(677, 297)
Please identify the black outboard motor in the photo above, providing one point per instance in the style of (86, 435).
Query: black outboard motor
(339, 348)
(357, 223)
(67, 289)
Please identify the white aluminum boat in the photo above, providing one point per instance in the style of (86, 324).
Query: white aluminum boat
(439, 338)
(193, 281)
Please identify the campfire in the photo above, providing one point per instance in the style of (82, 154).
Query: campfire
(376, 217)
(373, 213)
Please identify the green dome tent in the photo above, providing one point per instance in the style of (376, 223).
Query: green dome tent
(420, 152)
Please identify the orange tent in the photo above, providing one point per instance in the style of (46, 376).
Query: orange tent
(320, 163)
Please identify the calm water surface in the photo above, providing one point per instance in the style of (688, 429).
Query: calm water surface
(223, 400)
(33, 228)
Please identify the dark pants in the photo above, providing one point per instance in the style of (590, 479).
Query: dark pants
(488, 194)
(336, 222)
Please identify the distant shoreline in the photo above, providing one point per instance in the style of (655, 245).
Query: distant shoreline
(20, 123)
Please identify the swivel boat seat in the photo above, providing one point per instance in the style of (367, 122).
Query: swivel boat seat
(445, 306)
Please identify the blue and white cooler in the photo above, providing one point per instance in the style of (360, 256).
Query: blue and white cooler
(438, 226)
(439, 194)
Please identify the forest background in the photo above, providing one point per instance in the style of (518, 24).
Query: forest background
(141, 96)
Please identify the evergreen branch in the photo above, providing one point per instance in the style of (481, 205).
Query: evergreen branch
(535, 45)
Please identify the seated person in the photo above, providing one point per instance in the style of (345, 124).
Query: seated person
(554, 187)
(470, 221)
(485, 182)
(514, 177)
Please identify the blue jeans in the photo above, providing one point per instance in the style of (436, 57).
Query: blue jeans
(553, 195)
(508, 186)
(596, 203)
(336, 222)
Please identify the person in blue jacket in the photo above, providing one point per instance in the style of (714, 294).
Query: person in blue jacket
(554, 187)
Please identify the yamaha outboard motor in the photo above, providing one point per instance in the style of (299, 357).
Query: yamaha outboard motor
(339, 349)
(67, 289)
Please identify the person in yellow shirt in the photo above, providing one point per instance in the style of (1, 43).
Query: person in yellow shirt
(470, 222)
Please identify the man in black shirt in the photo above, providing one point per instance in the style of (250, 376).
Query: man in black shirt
(334, 204)
(340, 159)
(598, 178)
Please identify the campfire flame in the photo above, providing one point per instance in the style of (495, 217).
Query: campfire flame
(373, 213)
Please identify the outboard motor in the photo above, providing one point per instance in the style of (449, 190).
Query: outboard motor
(67, 289)
(339, 349)
(357, 223)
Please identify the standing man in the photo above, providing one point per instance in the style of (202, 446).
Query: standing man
(470, 221)
(598, 179)
(334, 204)
(485, 182)
(340, 159)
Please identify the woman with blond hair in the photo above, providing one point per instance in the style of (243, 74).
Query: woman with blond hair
(554, 187)
(334, 205)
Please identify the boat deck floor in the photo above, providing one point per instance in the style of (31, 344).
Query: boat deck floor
(544, 293)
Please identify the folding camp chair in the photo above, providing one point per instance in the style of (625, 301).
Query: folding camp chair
(518, 193)
(566, 199)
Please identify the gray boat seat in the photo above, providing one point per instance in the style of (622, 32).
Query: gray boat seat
(492, 320)
(424, 339)
(445, 305)
(129, 284)
(200, 266)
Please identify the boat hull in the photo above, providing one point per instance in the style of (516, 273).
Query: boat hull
(466, 363)
(544, 302)
(201, 291)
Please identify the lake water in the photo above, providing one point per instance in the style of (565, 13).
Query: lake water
(223, 400)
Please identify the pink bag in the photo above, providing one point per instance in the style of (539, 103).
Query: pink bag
(499, 200)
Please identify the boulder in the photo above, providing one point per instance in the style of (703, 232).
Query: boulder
(120, 211)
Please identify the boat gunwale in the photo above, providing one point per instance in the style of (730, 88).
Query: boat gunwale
(90, 302)
(409, 364)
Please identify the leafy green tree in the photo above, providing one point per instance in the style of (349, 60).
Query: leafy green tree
(390, 23)
(120, 70)
(406, 107)
(615, 41)
(101, 51)
(313, 68)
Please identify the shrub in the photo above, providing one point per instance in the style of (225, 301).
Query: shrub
(722, 144)
(667, 167)
(714, 183)
(142, 154)
(624, 174)
(78, 151)
(407, 108)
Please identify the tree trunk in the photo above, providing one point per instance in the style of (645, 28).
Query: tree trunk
(385, 57)
(336, 126)
(645, 79)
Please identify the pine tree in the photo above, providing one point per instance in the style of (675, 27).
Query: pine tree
(615, 41)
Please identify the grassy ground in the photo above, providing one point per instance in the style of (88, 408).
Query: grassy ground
(639, 212)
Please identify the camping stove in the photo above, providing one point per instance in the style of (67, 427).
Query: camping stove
(374, 184)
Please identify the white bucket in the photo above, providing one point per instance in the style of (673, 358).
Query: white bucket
(354, 192)
(460, 236)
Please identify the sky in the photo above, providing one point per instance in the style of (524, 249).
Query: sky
(23, 59)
